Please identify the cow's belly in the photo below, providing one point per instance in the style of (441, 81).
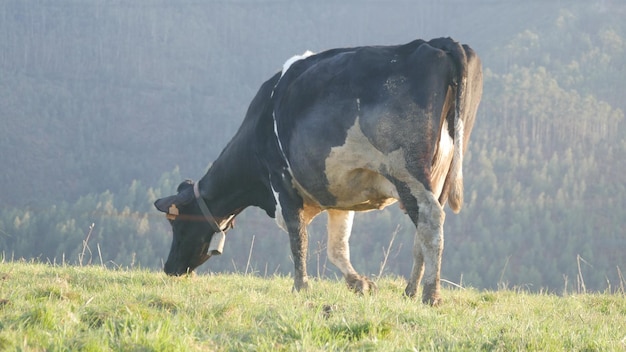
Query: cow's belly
(353, 172)
(356, 189)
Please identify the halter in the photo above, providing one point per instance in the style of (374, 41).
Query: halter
(217, 241)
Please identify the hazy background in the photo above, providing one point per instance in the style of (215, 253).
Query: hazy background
(108, 105)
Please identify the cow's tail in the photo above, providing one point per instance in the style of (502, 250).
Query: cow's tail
(455, 174)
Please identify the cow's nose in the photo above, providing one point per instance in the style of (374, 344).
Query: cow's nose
(170, 270)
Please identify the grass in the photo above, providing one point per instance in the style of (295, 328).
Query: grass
(68, 308)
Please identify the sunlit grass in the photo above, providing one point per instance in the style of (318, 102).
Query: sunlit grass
(67, 308)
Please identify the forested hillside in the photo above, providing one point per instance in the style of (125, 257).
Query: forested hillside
(108, 105)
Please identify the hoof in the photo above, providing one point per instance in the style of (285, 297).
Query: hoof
(300, 286)
(410, 291)
(433, 301)
(361, 284)
(431, 295)
(327, 310)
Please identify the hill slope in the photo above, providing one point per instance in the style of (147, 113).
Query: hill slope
(92, 309)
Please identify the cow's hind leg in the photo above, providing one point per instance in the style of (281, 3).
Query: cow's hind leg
(428, 217)
(339, 228)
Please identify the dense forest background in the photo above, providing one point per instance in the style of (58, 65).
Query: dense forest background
(107, 105)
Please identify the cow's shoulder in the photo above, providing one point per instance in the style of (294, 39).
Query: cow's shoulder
(257, 124)
(260, 104)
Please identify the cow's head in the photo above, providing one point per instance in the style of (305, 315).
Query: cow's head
(193, 230)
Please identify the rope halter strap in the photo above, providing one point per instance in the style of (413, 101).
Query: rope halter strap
(217, 241)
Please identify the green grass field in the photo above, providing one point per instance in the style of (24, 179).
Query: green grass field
(68, 308)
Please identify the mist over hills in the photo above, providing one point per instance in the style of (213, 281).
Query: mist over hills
(96, 94)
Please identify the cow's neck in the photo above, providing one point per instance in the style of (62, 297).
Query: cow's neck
(238, 179)
(235, 181)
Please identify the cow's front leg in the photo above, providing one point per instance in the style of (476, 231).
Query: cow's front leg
(339, 228)
(298, 239)
(294, 219)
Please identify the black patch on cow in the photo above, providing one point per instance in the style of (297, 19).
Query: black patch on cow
(408, 200)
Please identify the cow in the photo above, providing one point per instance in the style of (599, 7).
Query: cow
(344, 130)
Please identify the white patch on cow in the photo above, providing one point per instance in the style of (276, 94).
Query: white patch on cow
(280, 145)
(442, 159)
(354, 172)
(354, 175)
(293, 59)
(280, 220)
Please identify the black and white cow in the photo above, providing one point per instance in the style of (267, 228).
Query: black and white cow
(351, 129)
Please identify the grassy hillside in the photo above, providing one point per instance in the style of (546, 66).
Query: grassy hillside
(100, 100)
(63, 308)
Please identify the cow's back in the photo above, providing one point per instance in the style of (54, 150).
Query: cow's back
(350, 121)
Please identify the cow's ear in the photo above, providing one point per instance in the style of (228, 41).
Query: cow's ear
(164, 204)
(184, 185)
(185, 196)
